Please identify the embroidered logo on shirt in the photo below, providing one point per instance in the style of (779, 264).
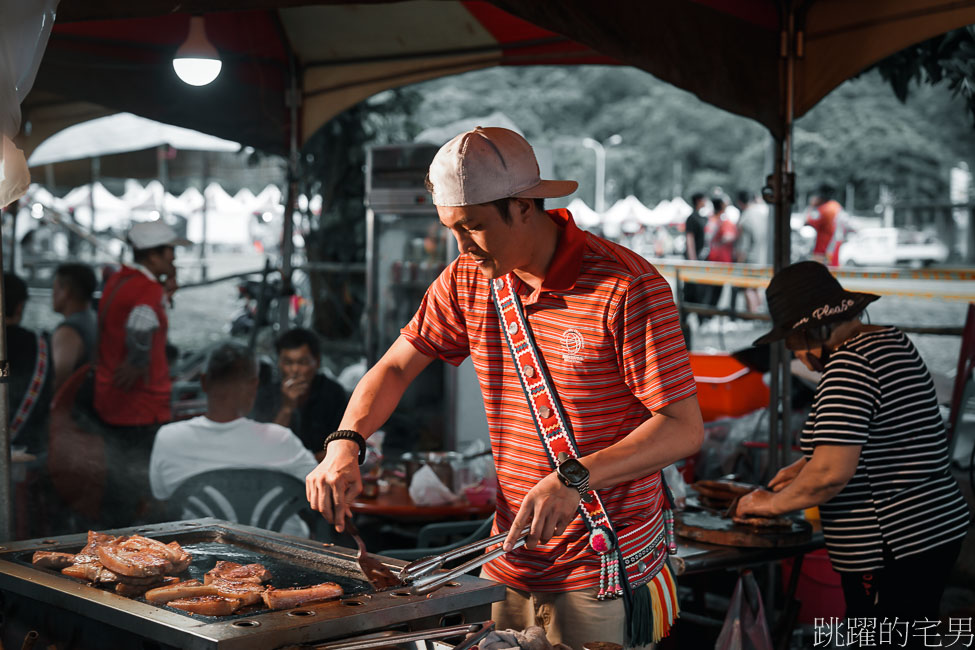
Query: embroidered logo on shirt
(572, 344)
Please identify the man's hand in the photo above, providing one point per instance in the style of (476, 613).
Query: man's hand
(293, 390)
(332, 486)
(758, 503)
(126, 375)
(292, 394)
(549, 507)
(169, 288)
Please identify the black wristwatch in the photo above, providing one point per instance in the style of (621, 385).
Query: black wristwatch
(574, 474)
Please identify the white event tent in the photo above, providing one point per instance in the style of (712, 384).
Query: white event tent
(121, 133)
(125, 132)
(230, 220)
(584, 216)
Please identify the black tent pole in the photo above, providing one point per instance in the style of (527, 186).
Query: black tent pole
(781, 189)
(293, 101)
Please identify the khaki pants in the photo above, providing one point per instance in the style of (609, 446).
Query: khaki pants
(574, 618)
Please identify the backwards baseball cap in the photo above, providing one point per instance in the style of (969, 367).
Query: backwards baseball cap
(150, 234)
(487, 164)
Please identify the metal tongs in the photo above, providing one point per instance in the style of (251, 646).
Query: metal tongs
(421, 574)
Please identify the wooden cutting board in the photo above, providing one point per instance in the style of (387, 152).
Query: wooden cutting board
(714, 529)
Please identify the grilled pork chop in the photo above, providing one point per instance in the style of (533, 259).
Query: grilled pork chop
(248, 593)
(234, 572)
(296, 596)
(90, 551)
(90, 571)
(206, 605)
(183, 589)
(53, 559)
(142, 557)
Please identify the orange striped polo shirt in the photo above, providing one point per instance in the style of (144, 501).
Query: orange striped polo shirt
(606, 327)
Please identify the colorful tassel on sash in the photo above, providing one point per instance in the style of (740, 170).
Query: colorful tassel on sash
(663, 593)
(654, 609)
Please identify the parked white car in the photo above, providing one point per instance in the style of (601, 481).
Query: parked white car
(892, 246)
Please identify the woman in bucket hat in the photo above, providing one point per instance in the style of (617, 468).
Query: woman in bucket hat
(875, 454)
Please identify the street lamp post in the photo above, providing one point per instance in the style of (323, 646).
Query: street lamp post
(600, 150)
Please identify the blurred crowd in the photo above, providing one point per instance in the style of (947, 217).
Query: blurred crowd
(93, 441)
(716, 231)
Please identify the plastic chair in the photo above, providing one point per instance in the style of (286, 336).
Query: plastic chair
(475, 530)
(261, 498)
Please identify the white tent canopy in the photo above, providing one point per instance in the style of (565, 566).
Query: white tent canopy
(629, 211)
(267, 200)
(150, 199)
(671, 212)
(230, 220)
(110, 211)
(584, 216)
(191, 199)
(121, 133)
(244, 196)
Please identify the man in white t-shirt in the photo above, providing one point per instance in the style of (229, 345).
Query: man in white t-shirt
(224, 438)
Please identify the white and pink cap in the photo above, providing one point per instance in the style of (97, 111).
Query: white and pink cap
(487, 164)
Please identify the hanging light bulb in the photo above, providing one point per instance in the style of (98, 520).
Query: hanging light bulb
(197, 61)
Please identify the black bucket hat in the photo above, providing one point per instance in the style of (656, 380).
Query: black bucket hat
(805, 295)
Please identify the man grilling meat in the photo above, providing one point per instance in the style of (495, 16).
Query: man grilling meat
(591, 329)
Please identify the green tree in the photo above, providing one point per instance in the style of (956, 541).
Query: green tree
(948, 58)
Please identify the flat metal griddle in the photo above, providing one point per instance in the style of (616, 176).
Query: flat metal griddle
(291, 561)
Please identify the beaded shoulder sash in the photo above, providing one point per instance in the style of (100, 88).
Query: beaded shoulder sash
(626, 559)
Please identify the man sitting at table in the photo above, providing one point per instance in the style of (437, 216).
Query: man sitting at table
(303, 399)
(223, 438)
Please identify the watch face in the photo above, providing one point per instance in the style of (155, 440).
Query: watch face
(573, 471)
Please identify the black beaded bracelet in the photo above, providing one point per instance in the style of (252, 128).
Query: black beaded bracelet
(348, 434)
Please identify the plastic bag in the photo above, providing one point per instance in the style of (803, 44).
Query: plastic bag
(14, 175)
(24, 31)
(745, 627)
(426, 489)
(678, 488)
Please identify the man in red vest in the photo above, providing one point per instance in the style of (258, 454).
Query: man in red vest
(132, 385)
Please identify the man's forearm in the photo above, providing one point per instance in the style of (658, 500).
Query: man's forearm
(668, 436)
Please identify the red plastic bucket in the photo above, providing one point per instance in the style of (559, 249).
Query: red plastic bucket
(819, 589)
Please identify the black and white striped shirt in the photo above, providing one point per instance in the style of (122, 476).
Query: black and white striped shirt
(876, 392)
